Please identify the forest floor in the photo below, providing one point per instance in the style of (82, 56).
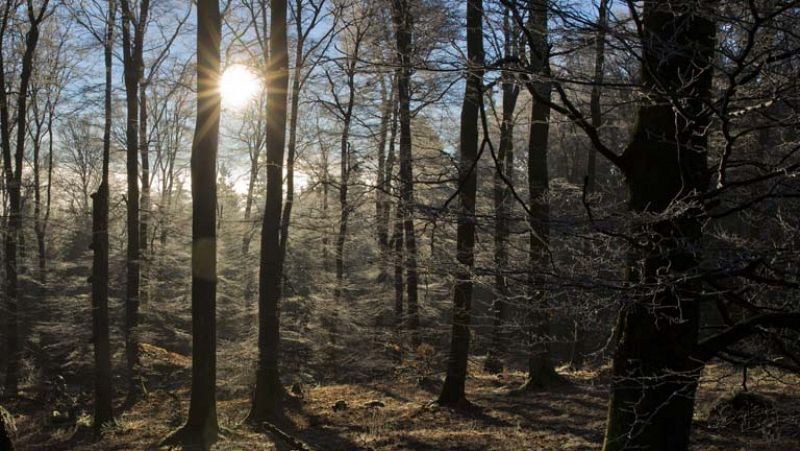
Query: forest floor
(396, 415)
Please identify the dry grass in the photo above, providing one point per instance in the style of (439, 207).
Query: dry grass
(568, 418)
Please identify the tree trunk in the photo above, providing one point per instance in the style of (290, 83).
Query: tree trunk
(325, 217)
(103, 394)
(655, 377)
(453, 389)
(201, 426)
(388, 112)
(594, 101)
(541, 371)
(133, 66)
(268, 390)
(291, 150)
(503, 204)
(396, 240)
(144, 206)
(344, 175)
(403, 27)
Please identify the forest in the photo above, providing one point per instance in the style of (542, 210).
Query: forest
(400, 225)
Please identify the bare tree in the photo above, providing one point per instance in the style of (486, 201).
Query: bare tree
(453, 389)
(13, 172)
(201, 426)
(103, 393)
(267, 397)
(133, 65)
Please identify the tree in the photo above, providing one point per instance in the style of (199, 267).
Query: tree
(541, 370)
(103, 393)
(201, 426)
(453, 388)
(597, 83)
(655, 372)
(133, 65)
(503, 180)
(268, 392)
(13, 173)
(403, 34)
(353, 37)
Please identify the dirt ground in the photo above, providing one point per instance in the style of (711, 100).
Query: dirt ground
(398, 415)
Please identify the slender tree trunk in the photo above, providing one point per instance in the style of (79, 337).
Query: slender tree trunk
(325, 215)
(144, 205)
(381, 197)
(201, 426)
(268, 392)
(502, 205)
(541, 371)
(594, 102)
(103, 394)
(396, 240)
(655, 377)
(345, 167)
(403, 29)
(453, 389)
(133, 65)
(38, 228)
(250, 229)
(291, 150)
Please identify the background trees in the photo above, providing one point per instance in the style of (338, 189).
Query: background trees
(652, 217)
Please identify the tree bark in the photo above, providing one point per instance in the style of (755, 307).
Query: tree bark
(597, 84)
(268, 392)
(382, 206)
(201, 426)
(103, 394)
(144, 205)
(655, 376)
(541, 371)
(453, 389)
(396, 240)
(403, 30)
(133, 66)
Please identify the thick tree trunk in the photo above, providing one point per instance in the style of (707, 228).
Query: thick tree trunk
(655, 377)
(103, 394)
(541, 371)
(201, 426)
(453, 389)
(403, 29)
(503, 204)
(268, 392)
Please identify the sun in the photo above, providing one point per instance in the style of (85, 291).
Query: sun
(238, 86)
